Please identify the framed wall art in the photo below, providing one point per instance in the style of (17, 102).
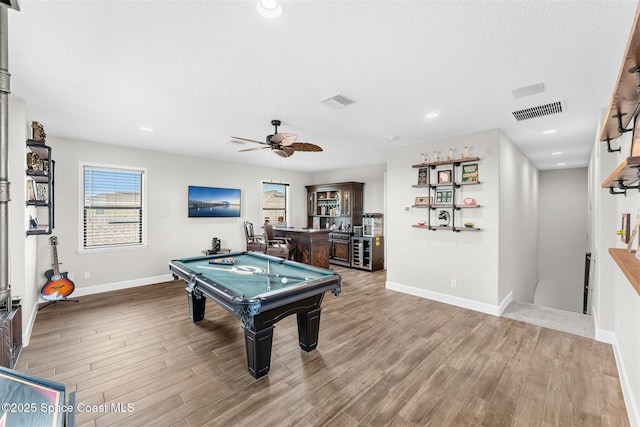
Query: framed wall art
(423, 176)
(470, 172)
(444, 196)
(445, 176)
(625, 228)
(423, 201)
(635, 144)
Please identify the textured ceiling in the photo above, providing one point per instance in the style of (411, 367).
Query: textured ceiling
(198, 72)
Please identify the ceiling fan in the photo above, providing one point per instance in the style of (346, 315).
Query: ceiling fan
(284, 144)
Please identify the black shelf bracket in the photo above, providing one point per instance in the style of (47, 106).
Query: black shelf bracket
(623, 188)
(621, 128)
(613, 191)
(611, 150)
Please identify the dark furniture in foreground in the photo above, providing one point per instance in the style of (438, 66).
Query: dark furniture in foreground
(368, 253)
(281, 247)
(340, 248)
(255, 243)
(311, 245)
(259, 290)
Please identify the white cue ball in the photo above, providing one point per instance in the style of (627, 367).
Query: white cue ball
(284, 280)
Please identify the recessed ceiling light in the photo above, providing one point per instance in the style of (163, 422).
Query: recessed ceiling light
(393, 138)
(269, 9)
(561, 164)
(556, 153)
(146, 129)
(547, 132)
(432, 115)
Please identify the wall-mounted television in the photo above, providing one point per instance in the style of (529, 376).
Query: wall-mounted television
(213, 202)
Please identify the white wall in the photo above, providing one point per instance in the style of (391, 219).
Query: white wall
(490, 267)
(24, 279)
(423, 262)
(616, 304)
(562, 238)
(518, 264)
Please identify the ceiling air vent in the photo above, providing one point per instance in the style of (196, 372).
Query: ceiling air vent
(337, 101)
(539, 111)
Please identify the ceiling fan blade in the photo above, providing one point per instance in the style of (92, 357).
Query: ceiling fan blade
(284, 151)
(252, 149)
(284, 139)
(288, 150)
(250, 140)
(305, 146)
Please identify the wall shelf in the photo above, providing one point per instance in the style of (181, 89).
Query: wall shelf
(440, 227)
(629, 264)
(448, 191)
(624, 175)
(446, 162)
(40, 172)
(625, 97)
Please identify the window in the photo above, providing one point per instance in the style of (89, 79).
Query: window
(275, 197)
(113, 208)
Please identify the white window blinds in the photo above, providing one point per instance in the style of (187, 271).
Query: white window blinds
(113, 207)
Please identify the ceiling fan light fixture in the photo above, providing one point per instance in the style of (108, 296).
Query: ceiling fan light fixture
(269, 9)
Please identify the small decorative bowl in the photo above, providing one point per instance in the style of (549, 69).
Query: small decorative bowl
(468, 224)
(420, 222)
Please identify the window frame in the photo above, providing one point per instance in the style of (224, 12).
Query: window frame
(115, 168)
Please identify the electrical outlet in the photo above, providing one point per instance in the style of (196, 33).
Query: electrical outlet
(453, 283)
(87, 274)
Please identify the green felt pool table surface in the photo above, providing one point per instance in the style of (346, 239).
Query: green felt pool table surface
(247, 278)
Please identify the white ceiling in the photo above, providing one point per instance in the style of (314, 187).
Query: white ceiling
(198, 72)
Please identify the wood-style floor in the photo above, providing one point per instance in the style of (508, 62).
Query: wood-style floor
(384, 358)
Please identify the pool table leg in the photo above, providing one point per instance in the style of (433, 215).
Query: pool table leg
(258, 345)
(196, 305)
(308, 329)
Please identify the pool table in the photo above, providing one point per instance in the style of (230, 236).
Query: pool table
(259, 290)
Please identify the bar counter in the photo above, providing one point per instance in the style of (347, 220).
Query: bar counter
(312, 245)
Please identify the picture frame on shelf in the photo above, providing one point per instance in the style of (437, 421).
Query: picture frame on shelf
(625, 228)
(444, 218)
(423, 201)
(42, 192)
(635, 144)
(445, 176)
(634, 231)
(470, 172)
(443, 196)
(31, 190)
(33, 162)
(423, 176)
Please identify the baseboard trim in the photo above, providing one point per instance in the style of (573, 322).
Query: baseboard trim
(115, 286)
(495, 310)
(609, 337)
(30, 322)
